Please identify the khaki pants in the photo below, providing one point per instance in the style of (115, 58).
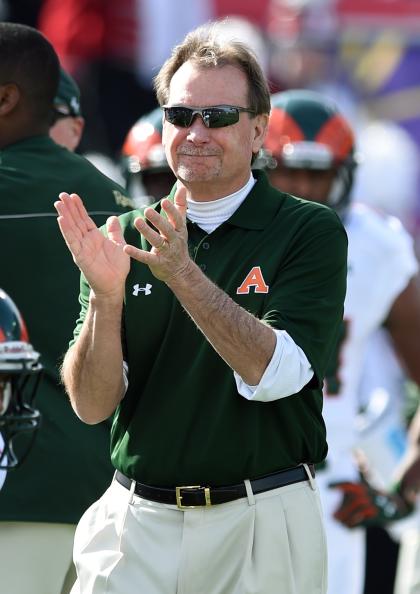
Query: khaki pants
(36, 558)
(271, 543)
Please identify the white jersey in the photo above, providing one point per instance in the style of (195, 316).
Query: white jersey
(382, 370)
(381, 262)
(381, 428)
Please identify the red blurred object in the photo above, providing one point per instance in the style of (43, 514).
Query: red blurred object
(392, 12)
(85, 30)
(256, 12)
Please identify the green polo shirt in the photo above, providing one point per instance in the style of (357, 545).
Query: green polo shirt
(182, 421)
(68, 467)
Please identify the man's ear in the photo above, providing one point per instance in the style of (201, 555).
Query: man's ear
(260, 131)
(9, 97)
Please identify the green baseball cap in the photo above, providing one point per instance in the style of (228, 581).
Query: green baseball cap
(67, 99)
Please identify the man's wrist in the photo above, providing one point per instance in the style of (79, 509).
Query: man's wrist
(185, 276)
(111, 301)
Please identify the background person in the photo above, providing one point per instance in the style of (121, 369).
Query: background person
(310, 153)
(144, 165)
(387, 152)
(68, 122)
(69, 461)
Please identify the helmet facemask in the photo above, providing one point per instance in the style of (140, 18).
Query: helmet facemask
(20, 374)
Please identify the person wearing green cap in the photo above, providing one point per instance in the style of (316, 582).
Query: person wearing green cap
(68, 466)
(68, 122)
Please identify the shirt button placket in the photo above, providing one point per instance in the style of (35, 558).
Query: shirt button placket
(205, 246)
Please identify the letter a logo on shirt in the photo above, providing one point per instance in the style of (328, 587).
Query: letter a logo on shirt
(254, 279)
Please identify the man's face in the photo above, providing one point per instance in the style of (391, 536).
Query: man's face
(212, 162)
(311, 184)
(67, 131)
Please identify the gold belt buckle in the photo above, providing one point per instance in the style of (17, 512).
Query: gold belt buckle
(179, 496)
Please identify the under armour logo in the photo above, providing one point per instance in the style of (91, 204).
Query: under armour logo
(146, 290)
(253, 280)
(74, 102)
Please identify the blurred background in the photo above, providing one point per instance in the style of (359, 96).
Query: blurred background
(363, 53)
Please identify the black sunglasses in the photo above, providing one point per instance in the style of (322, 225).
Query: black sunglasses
(218, 116)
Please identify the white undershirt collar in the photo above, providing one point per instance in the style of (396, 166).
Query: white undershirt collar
(209, 215)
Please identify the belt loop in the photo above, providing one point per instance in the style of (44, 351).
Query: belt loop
(132, 488)
(310, 477)
(249, 492)
(114, 478)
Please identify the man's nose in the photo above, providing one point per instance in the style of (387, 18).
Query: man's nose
(198, 131)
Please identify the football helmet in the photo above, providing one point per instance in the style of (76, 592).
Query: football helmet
(147, 175)
(19, 379)
(306, 131)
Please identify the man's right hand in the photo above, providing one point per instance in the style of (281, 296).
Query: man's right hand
(101, 259)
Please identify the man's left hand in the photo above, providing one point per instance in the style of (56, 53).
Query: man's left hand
(169, 255)
(364, 505)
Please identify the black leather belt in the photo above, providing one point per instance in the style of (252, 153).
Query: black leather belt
(197, 496)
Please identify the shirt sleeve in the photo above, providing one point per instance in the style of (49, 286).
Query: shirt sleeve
(306, 298)
(125, 376)
(287, 373)
(84, 304)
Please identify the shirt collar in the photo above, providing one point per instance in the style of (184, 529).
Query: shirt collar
(259, 207)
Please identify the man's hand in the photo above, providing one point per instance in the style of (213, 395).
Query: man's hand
(101, 259)
(363, 505)
(169, 254)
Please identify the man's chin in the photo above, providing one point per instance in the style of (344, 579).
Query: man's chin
(196, 174)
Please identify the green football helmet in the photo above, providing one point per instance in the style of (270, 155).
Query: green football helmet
(20, 372)
(307, 131)
(145, 168)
